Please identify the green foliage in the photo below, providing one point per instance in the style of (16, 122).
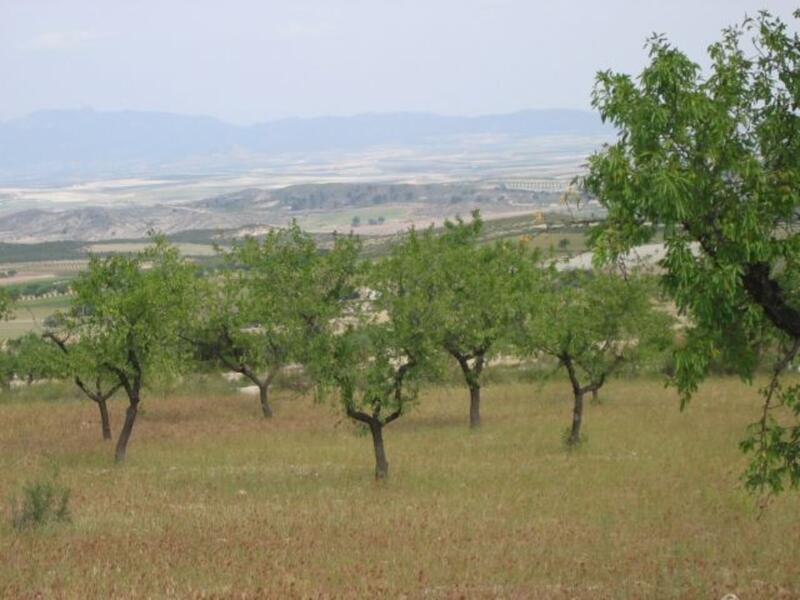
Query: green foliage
(715, 159)
(127, 320)
(473, 290)
(376, 364)
(595, 322)
(373, 373)
(39, 288)
(128, 312)
(42, 502)
(775, 446)
(5, 304)
(7, 368)
(267, 308)
(34, 358)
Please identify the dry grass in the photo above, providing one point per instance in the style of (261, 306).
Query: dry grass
(216, 502)
(187, 249)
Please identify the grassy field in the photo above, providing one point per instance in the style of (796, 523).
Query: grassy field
(30, 314)
(341, 219)
(214, 501)
(187, 249)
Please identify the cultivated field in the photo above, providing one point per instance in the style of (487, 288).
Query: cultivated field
(215, 501)
(29, 315)
(186, 249)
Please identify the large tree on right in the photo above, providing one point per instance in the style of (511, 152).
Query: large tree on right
(711, 158)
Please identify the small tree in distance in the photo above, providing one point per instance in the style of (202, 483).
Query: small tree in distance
(6, 360)
(90, 376)
(376, 364)
(35, 359)
(592, 323)
(473, 289)
(375, 379)
(128, 312)
(273, 298)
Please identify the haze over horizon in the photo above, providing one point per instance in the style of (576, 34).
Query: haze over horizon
(248, 62)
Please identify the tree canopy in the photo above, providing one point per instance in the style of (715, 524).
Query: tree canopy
(264, 311)
(593, 323)
(377, 362)
(473, 290)
(712, 160)
(129, 313)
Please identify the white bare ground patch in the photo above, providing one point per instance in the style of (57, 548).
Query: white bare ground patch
(25, 277)
(646, 256)
(18, 383)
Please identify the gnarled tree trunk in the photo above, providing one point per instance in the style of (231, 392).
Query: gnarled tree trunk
(105, 422)
(578, 392)
(577, 418)
(381, 464)
(127, 428)
(472, 376)
(263, 396)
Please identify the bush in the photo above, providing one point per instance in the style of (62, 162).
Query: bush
(42, 502)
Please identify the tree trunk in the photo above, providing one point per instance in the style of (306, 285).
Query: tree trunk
(474, 406)
(263, 395)
(127, 428)
(577, 417)
(595, 396)
(381, 465)
(104, 420)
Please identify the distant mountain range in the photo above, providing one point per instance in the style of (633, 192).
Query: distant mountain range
(64, 144)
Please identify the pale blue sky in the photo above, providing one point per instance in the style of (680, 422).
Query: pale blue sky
(247, 61)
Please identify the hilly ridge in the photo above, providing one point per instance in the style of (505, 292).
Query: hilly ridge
(377, 208)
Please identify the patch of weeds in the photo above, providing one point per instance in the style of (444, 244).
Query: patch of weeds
(41, 502)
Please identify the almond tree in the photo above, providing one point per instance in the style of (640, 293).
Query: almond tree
(127, 313)
(376, 364)
(96, 381)
(592, 323)
(6, 362)
(270, 302)
(712, 159)
(33, 358)
(472, 288)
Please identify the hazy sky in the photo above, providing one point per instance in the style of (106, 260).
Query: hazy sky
(246, 61)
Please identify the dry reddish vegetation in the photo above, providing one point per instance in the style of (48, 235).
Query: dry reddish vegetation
(214, 501)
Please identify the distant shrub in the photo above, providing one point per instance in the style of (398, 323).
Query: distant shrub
(42, 502)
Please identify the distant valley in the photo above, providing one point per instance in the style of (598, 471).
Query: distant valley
(92, 176)
(370, 208)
